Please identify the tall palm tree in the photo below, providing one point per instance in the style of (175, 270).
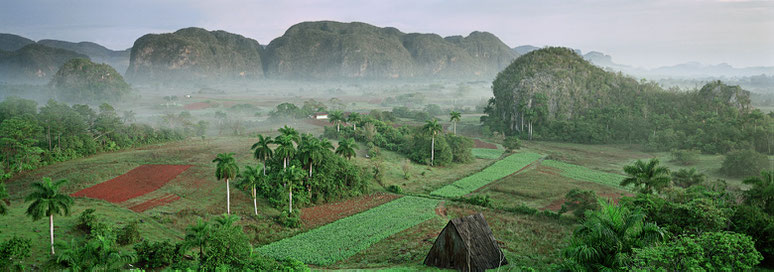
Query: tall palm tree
(354, 118)
(432, 128)
(47, 201)
(250, 179)
(650, 175)
(762, 192)
(325, 144)
(289, 175)
(311, 151)
(336, 118)
(226, 220)
(226, 169)
(285, 150)
(290, 132)
(347, 148)
(262, 151)
(197, 235)
(455, 117)
(3, 196)
(686, 178)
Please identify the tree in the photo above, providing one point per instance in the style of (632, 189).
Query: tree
(47, 201)
(289, 175)
(650, 176)
(249, 180)
(714, 251)
(311, 152)
(290, 132)
(455, 117)
(3, 196)
(336, 118)
(744, 163)
(432, 128)
(687, 177)
(354, 118)
(197, 236)
(262, 151)
(607, 236)
(762, 192)
(347, 148)
(285, 150)
(580, 201)
(226, 169)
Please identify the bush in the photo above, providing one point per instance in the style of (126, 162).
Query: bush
(580, 201)
(711, 251)
(290, 220)
(158, 254)
(511, 143)
(87, 220)
(129, 234)
(13, 252)
(684, 157)
(757, 224)
(483, 201)
(394, 189)
(744, 163)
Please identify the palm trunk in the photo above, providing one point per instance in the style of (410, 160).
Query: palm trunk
(455, 127)
(51, 231)
(432, 151)
(338, 127)
(309, 183)
(255, 201)
(290, 198)
(228, 199)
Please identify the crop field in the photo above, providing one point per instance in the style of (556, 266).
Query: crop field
(498, 170)
(346, 237)
(582, 173)
(137, 182)
(486, 153)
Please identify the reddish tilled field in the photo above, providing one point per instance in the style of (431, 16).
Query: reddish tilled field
(327, 213)
(481, 144)
(152, 203)
(137, 182)
(196, 106)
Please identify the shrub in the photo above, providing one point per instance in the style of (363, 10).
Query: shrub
(158, 254)
(684, 157)
(483, 201)
(129, 234)
(757, 224)
(744, 163)
(711, 251)
(580, 201)
(13, 252)
(290, 220)
(511, 143)
(87, 220)
(394, 189)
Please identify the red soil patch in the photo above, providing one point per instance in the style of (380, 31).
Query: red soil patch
(327, 213)
(481, 144)
(137, 182)
(557, 204)
(152, 203)
(441, 209)
(197, 106)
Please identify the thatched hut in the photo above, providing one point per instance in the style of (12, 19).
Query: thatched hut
(466, 244)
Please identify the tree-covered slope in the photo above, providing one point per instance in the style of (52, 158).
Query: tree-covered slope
(82, 81)
(335, 50)
(11, 42)
(97, 53)
(194, 54)
(33, 63)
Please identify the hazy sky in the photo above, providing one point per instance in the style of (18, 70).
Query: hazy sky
(634, 32)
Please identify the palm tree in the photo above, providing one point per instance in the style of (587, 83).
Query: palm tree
(686, 178)
(607, 236)
(227, 220)
(455, 117)
(47, 201)
(354, 118)
(249, 180)
(311, 151)
(226, 169)
(288, 176)
(198, 235)
(762, 192)
(432, 127)
(336, 117)
(291, 132)
(347, 148)
(650, 175)
(262, 151)
(285, 150)
(3, 196)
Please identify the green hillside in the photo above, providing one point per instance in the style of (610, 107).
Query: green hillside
(33, 63)
(11, 42)
(83, 81)
(97, 53)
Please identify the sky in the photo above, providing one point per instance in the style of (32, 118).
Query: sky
(635, 32)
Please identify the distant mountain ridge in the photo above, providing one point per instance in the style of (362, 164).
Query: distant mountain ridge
(33, 63)
(11, 42)
(119, 60)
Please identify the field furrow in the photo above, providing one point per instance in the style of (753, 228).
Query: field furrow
(346, 237)
(498, 170)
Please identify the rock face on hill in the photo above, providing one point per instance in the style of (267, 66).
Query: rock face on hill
(82, 81)
(33, 63)
(194, 54)
(97, 53)
(334, 50)
(11, 42)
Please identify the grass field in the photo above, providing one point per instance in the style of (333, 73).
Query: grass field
(341, 239)
(486, 153)
(582, 173)
(498, 170)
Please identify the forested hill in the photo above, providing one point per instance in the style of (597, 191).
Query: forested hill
(82, 81)
(194, 53)
(11, 42)
(334, 50)
(97, 53)
(555, 94)
(33, 63)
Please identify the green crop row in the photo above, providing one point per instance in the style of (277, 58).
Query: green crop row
(346, 237)
(498, 170)
(582, 173)
(486, 153)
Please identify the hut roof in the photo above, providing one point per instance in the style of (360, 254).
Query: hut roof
(463, 238)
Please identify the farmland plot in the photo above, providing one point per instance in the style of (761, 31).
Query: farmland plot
(585, 174)
(498, 170)
(346, 237)
(487, 153)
